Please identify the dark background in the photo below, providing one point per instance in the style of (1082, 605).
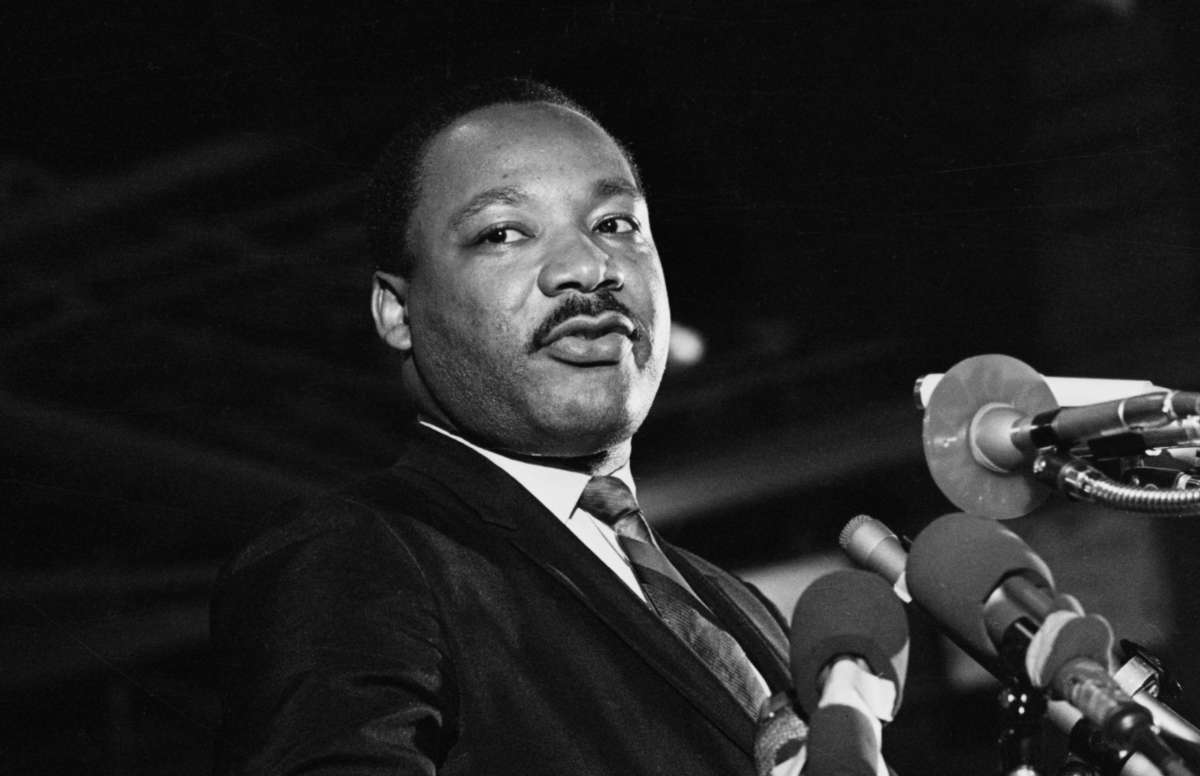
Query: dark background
(846, 195)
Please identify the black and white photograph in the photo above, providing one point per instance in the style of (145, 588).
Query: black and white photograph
(600, 388)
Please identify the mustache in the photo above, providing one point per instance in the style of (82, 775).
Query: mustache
(591, 305)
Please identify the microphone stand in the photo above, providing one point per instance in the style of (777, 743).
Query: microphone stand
(1022, 706)
(1092, 752)
(1021, 709)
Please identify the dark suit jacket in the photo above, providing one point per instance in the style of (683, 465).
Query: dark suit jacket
(437, 618)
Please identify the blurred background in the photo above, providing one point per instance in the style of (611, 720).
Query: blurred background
(846, 196)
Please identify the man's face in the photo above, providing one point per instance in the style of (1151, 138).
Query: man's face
(537, 308)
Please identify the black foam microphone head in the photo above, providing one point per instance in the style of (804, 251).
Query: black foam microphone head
(956, 563)
(841, 743)
(848, 613)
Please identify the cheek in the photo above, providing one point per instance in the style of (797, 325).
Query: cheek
(495, 308)
(472, 327)
(656, 303)
(650, 271)
(658, 294)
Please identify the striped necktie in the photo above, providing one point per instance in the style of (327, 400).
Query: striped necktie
(608, 499)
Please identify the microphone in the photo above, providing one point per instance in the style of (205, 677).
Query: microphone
(1002, 436)
(991, 590)
(843, 623)
(873, 545)
(988, 419)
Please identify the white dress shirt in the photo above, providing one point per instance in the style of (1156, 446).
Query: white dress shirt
(559, 491)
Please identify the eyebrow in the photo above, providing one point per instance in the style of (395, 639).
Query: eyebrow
(513, 195)
(616, 187)
(499, 195)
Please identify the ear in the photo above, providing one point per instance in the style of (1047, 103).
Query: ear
(389, 307)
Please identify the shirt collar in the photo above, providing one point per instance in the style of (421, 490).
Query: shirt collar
(557, 489)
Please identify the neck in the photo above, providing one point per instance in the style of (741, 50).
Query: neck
(603, 462)
(598, 463)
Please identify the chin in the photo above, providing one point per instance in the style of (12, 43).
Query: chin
(566, 420)
(579, 446)
(578, 434)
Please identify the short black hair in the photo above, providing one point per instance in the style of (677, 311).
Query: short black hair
(395, 184)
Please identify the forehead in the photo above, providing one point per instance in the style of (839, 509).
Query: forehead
(514, 145)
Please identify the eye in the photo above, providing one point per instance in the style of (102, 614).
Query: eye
(617, 225)
(500, 235)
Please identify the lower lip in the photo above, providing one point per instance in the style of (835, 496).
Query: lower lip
(608, 349)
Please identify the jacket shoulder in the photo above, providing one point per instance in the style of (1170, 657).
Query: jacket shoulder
(327, 597)
(376, 506)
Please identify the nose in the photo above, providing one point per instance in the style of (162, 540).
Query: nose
(580, 264)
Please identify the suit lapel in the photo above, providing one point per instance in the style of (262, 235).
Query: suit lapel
(755, 626)
(502, 502)
(561, 554)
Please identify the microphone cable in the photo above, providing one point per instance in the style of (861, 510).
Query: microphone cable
(1084, 482)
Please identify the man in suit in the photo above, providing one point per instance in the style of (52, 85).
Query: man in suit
(487, 605)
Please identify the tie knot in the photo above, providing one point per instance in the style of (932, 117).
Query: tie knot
(608, 499)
